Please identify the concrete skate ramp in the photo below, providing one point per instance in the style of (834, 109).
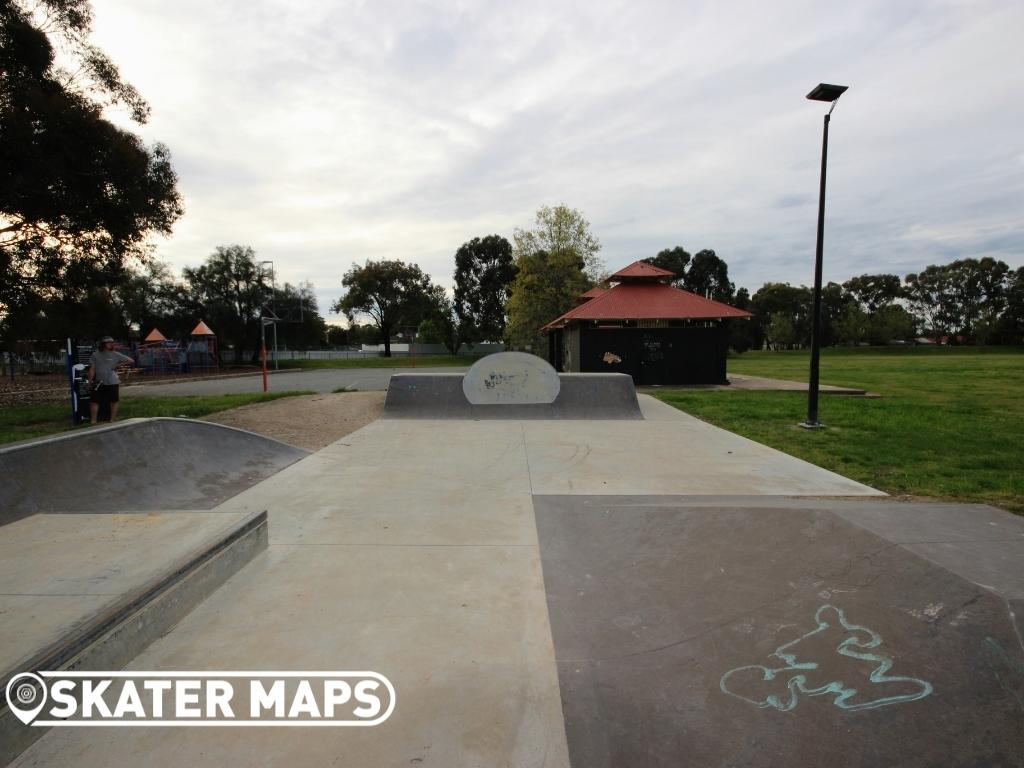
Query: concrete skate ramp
(581, 396)
(138, 465)
(766, 632)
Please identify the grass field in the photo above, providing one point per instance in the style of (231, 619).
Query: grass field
(419, 361)
(24, 422)
(949, 424)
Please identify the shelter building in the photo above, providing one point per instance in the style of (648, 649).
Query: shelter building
(643, 326)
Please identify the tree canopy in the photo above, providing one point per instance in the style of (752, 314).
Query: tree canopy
(961, 297)
(391, 293)
(546, 286)
(229, 290)
(484, 270)
(708, 276)
(874, 291)
(674, 260)
(564, 233)
(79, 196)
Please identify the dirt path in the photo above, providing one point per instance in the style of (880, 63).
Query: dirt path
(309, 421)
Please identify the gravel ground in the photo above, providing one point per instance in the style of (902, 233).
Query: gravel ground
(307, 421)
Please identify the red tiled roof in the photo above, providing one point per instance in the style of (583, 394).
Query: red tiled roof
(642, 270)
(647, 301)
(593, 293)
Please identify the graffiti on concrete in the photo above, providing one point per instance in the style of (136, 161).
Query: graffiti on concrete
(836, 659)
(1009, 671)
(511, 378)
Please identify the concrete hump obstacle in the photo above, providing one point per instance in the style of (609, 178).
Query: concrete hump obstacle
(138, 465)
(511, 385)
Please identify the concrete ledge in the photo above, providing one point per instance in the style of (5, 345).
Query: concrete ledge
(122, 630)
(586, 396)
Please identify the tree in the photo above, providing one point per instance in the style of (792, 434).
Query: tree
(229, 292)
(953, 298)
(853, 327)
(981, 292)
(546, 286)
(708, 276)
(390, 293)
(79, 196)
(1011, 323)
(743, 334)
(674, 260)
(441, 325)
(890, 323)
(484, 270)
(302, 326)
(353, 336)
(929, 295)
(781, 332)
(564, 233)
(792, 301)
(151, 297)
(337, 336)
(834, 303)
(874, 291)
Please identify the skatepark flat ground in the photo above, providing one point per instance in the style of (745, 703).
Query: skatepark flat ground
(411, 548)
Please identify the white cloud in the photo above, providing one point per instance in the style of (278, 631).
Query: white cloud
(326, 133)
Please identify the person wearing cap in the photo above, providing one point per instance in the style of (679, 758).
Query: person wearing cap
(103, 378)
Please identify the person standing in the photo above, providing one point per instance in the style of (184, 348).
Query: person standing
(103, 378)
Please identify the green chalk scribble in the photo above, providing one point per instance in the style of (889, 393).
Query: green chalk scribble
(852, 647)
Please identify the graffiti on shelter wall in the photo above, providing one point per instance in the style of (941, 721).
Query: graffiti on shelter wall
(810, 667)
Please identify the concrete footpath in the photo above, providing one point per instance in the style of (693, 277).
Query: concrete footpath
(637, 628)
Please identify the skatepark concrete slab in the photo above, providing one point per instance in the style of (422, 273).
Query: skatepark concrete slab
(57, 570)
(680, 455)
(456, 618)
(411, 547)
(138, 465)
(668, 620)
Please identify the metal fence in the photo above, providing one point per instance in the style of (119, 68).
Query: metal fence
(397, 350)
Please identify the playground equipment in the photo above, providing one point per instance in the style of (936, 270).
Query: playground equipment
(201, 352)
(159, 354)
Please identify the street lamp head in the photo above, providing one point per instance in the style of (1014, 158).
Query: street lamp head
(826, 92)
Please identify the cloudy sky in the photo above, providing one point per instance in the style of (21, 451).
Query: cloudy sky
(322, 133)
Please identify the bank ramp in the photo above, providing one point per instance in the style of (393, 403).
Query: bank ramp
(138, 465)
(511, 385)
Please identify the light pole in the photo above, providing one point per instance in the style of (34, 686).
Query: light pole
(272, 301)
(830, 93)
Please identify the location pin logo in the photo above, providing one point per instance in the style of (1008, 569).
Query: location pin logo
(26, 695)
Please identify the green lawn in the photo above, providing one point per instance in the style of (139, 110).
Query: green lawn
(419, 361)
(949, 424)
(27, 421)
